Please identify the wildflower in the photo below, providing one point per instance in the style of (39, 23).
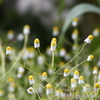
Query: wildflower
(30, 90)
(60, 94)
(89, 39)
(99, 75)
(53, 44)
(81, 80)
(11, 87)
(26, 29)
(96, 86)
(95, 70)
(31, 79)
(75, 34)
(67, 57)
(20, 37)
(73, 83)
(11, 96)
(48, 89)
(90, 58)
(76, 74)
(62, 52)
(10, 80)
(40, 60)
(44, 75)
(31, 53)
(75, 22)
(8, 50)
(66, 72)
(1, 93)
(10, 34)
(86, 87)
(55, 31)
(74, 46)
(96, 32)
(36, 43)
(48, 51)
(20, 72)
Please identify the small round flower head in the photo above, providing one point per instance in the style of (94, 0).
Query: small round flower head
(89, 39)
(44, 75)
(75, 46)
(53, 44)
(36, 43)
(20, 72)
(96, 86)
(11, 96)
(26, 29)
(75, 34)
(76, 74)
(62, 52)
(10, 34)
(20, 37)
(31, 79)
(1, 93)
(8, 50)
(96, 32)
(81, 80)
(95, 70)
(31, 52)
(11, 87)
(55, 31)
(75, 22)
(48, 89)
(10, 80)
(40, 60)
(48, 51)
(66, 72)
(90, 58)
(73, 83)
(30, 90)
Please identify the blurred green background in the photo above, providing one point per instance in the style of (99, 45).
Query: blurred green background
(42, 16)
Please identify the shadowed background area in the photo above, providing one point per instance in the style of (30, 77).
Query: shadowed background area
(42, 16)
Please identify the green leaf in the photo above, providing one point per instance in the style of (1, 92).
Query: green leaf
(75, 12)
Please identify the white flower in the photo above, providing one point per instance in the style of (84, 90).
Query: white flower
(75, 22)
(95, 70)
(48, 89)
(31, 79)
(30, 90)
(89, 39)
(8, 50)
(73, 83)
(90, 58)
(36, 43)
(81, 80)
(55, 31)
(10, 35)
(53, 44)
(26, 29)
(66, 72)
(20, 37)
(11, 96)
(75, 34)
(96, 32)
(76, 74)
(44, 76)
(62, 52)
(1, 93)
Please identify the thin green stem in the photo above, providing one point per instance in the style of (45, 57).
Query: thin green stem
(3, 60)
(52, 64)
(37, 93)
(86, 93)
(72, 58)
(24, 66)
(71, 71)
(20, 54)
(43, 57)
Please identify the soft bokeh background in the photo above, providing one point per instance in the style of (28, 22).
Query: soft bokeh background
(42, 16)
